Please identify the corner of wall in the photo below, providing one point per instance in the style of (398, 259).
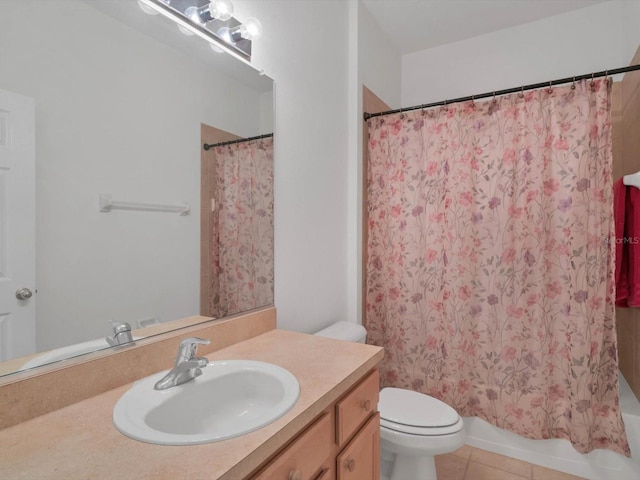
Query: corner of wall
(376, 63)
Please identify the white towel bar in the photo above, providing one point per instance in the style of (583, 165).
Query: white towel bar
(107, 204)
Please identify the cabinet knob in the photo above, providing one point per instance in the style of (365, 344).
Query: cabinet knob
(295, 475)
(366, 404)
(350, 464)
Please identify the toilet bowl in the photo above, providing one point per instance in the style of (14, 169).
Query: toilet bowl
(413, 426)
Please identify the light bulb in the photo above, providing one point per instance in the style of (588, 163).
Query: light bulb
(146, 8)
(221, 10)
(225, 34)
(195, 14)
(251, 29)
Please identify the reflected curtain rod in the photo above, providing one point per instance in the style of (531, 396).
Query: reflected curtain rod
(533, 86)
(207, 146)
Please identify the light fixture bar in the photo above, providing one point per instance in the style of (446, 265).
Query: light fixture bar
(202, 32)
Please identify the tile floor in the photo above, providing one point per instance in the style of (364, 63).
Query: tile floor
(469, 463)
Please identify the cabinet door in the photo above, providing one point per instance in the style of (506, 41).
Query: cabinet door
(356, 407)
(303, 459)
(360, 459)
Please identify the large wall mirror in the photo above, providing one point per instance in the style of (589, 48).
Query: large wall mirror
(122, 103)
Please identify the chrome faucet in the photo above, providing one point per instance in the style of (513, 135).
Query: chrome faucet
(121, 335)
(187, 366)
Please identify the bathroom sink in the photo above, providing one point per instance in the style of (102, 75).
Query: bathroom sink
(230, 398)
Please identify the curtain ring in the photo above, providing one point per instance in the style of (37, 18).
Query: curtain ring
(573, 84)
(521, 94)
(446, 109)
(401, 114)
(593, 83)
(473, 101)
(422, 112)
(549, 90)
(494, 97)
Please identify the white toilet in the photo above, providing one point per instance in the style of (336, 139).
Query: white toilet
(413, 427)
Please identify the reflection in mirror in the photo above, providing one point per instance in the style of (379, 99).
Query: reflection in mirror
(237, 231)
(98, 98)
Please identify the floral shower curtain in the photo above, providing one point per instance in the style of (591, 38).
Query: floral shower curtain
(489, 272)
(244, 256)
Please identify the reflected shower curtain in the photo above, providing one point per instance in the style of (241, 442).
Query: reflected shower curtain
(244, 260)
(489, 272)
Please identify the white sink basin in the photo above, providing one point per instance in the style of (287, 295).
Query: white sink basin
(230, 398)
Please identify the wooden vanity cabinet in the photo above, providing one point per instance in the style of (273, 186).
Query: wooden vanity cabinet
(343, 443)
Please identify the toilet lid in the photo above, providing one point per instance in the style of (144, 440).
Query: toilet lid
(407, 407)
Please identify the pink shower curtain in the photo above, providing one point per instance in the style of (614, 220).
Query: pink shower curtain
(244, 260)
(489, 272)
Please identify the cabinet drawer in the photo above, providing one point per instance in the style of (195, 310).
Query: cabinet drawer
(360, 459)
(355, 408)
(303, 459)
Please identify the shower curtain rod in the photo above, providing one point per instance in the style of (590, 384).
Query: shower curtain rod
(533, 86)
(207, 146)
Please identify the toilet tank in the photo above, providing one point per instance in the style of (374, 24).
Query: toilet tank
(342, 330)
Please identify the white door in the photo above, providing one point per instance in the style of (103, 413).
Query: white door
(17, 226)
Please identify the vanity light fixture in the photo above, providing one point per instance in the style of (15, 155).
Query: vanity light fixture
(212, 21)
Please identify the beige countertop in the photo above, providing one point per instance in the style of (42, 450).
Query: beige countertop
(80, 441)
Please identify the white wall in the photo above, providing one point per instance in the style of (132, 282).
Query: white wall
(304, 48)
(380, 63)
(590, 39)
(118, 113)
(266, 112)
(631, 19)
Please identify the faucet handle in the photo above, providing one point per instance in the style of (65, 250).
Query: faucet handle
(121, 334)
(188, 347)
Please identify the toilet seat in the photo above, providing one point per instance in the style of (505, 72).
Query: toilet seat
(422, 431)
(415, 413)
